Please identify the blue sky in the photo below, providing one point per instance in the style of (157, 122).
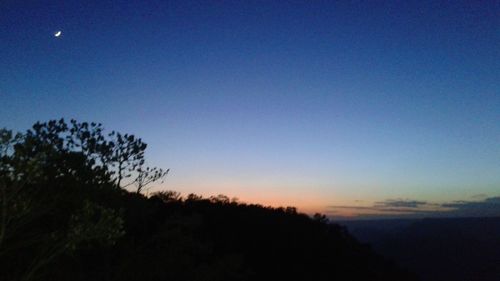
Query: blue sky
(305, 103)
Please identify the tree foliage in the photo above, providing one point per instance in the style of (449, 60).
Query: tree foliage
(50, 179)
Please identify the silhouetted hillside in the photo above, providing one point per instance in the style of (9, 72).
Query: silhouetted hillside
(437, 249)
(65, 215)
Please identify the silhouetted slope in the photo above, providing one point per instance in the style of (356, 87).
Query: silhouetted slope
(210, 239)
(202, 239)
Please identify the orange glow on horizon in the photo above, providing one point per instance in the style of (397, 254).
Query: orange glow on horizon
(305, 202)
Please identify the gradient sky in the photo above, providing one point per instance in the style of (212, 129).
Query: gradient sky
(306, 103)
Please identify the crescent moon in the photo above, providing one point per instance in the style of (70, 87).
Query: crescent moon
(58, 33)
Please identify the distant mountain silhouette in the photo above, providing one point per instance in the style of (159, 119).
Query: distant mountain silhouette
(460, 249)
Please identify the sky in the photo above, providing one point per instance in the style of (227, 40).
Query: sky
(349, 108)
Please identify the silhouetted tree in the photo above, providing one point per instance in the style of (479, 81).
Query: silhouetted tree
(55, 157)
(168, 196)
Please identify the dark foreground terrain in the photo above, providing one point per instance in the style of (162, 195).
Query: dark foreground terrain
(66, 215)
(460, 249)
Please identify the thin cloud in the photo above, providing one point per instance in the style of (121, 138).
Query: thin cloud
(479, 196)
(487, 207)
(406, 208)
(375, 208)
(401, 203)
(382, 209)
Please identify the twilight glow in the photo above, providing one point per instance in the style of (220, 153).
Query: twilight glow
(349, 109)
